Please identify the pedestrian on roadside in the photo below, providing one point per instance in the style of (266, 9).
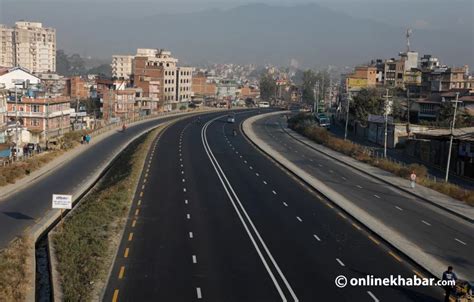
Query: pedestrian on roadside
(83, 139)
(412, 179)
(449, 275)
(88, 139)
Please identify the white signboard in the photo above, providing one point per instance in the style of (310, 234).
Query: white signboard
(62, 201)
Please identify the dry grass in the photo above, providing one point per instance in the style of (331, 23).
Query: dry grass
(85, 244)
(11, 173)
(302, 125)
(14, 270)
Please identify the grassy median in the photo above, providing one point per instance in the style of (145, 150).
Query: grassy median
(304, 124)
(15, 271)
(88, 239)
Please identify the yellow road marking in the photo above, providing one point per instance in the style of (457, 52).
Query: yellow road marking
(395, 256)
(139, 202)
(115, 297)
(141, 194)
(146, 175)
(130, 237)
(342, 215)
(133, 223)
(419, 274)
(144, 180)
(125, 255)
(374, 240)
(356, 226)
(143, 187)
(122, 271)
(137, 211)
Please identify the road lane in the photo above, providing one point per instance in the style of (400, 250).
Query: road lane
(188, 244)
(399, 210)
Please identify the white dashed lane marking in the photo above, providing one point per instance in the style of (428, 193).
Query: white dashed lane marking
(340, 262)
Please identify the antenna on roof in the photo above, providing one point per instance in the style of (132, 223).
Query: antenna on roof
(408, 35)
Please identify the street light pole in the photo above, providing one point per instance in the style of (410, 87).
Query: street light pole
(347, 114)
(452, 136)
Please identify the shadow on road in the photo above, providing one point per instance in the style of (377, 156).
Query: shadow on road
(17, 215)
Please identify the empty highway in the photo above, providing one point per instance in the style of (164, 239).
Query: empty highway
(216, 220)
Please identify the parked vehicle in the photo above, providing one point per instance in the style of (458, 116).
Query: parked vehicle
(263, 104)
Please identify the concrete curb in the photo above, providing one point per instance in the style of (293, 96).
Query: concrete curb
(463, 211)
(52, 217)
(397, 240)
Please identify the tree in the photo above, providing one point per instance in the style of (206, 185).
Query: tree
(322, 84)
(309, 81)
(62, 63)
(267, 87)
(104, 70)
(446, 112)
(366, 102)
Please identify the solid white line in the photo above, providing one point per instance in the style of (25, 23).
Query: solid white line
(191, 235)
(316, 236)
(229, 189)
(285, 204)
(373, 296)
(340, 262)
(299, 219)
(195, 259)
(273, 191)
(398, 208)
(376, 196)
(460, 241)
(198, 292)
(427, 223)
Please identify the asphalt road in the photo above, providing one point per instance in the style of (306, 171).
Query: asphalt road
(438, 233)
(216, 220)
(24, 208)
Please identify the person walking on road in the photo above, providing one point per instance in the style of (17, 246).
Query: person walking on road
(412, 179)
(449, 275)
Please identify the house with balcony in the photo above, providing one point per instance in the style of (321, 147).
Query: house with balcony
(43, 117)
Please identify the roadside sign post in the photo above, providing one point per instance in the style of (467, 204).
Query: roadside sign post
(62, 202)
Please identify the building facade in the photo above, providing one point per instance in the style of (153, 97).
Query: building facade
(44, 118)
(28, 45)
(122, 66)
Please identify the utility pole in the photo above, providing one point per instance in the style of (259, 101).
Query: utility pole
(452, 136)
(386, 124)
(408, 112)
(16, 119)
(349, 97)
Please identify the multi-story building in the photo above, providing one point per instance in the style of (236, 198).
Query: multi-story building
(44, 117)
(78, 88)
(122, 66)
(7, 50)
(184, 81)
(34, 47)
(362, 77)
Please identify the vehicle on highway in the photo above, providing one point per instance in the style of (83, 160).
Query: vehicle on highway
(263, 104)
(231, 118)
(323, 120)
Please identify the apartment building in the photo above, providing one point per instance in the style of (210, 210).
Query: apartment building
(3, 113)
(7, 53)
(202, 86)
(44, 117)
(28, 45)
(122, 66)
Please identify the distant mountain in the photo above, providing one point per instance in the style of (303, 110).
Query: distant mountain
(256, 33)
